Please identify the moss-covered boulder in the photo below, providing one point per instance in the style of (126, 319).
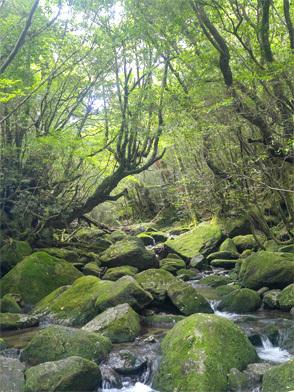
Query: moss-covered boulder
(72, 374)
(37, 275)
(279, 378)
(117, 235)
(215, 280)
(198, 353)
(11, 253)
(11, 375)
(201, 240)
(187, 274)
(270, 269)
(172, 264)
(223, 290)
(129, 252)
(186, 299)
(10, 321)
(120, 324)
(228, 246)
(9, 304)
(286, 298)
(92, 269)
(147, 239)
(156, 282)
(158, 236)
(240, 301)
(125, 290)
(63, 253)
(225, 255)
(59, 342)
(244, 242)
(270, 299)
(224, 263)
(118, 272)
(75, 305)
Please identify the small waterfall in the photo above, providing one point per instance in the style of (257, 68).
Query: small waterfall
(138, 387)
(231, 316)
(271, 353)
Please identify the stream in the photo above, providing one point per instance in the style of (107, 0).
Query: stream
(272, 333)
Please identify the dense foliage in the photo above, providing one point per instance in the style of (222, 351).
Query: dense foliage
(196, 96)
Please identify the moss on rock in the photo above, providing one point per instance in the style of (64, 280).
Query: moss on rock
(120, 324)
(270, 269)
(9, 304)
(59, 342)
(286, 298)
(225, 263)
(125, 290)
(244, 242)
(279, 378)
(270, 299)
(75, 305)
(228, 246)
(118, 272)
(11, 253)
(172, 265)
(37, 275)
(240, 301)
(187, 274)
(92, 269)
(215, 280)
(10, 321)
(201, 240)
(129, 252)
(199, 352)
(186, 299)
(156, 282)
(147, 239)
(72, 374)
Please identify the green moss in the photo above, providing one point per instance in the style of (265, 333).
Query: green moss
(172, 264)
(215, 280)
(147, 239)
(3, 345)
(118, 272)
(9, 304)
(187, 274)
(73, 374)
(129, 252)
(226, 289)
(63, 253)
(10, 321)
(287, 248)
(92, 269)
(156, 282)
(240, 301)
(37, 275)
(225, 255)
(224, 263)
(286, 298)
(270, 299)
(117, 235)
(186, 299)
(199, 352)
(125, 290)
(279, 378)
(244, 242)
(228, 246)
(58, 342)
(202, 239)
(120, 324)
(11, 253)
(158, 236)
(269, 269)
(76, 305)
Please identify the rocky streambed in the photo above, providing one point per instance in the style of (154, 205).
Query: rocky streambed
(136, 319)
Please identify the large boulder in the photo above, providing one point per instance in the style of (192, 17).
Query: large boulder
(72, 374)
(120, 324)
(125, 290)
(11, 253)
(37, 275)
(270, 269)
(279, 378)
(198, 353)
(118, 272)
(73, 306)
(240, 301)
(228, 246)
(248, 241)
(286, 298)
(186, 299)
(129, 252)
(11, 375)
(59, 342)
(156, 282)
(10, 321)
(203, 239)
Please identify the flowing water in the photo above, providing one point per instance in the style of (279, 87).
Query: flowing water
(272, 332)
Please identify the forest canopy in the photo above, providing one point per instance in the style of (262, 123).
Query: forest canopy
(174, 109)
